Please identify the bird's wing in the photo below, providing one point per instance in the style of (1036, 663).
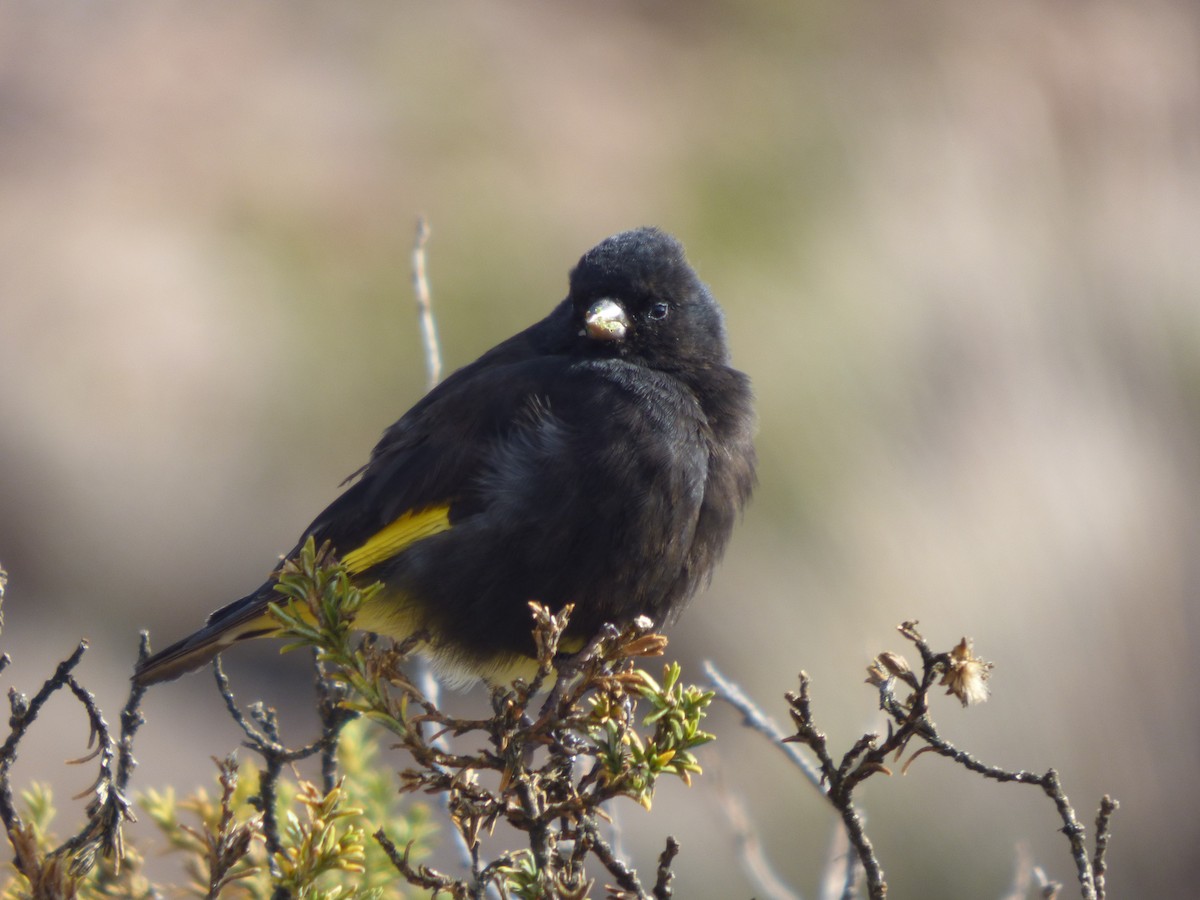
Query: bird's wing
(417, 483)
(424, 472)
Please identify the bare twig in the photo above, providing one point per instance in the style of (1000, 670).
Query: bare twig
(750, 852)
(426, 680)
(108, 808)
(420, 876)
(753, 717)
(625, 877)
(433, 354)
(264, 740)
(334, 716)
(1022, 875)
(1074, 831)
(1108, 806)
(842, 779)
(842, 869)
(226, 842)
(662, 883)
(23, 713)
(132, 719)
(965, 676)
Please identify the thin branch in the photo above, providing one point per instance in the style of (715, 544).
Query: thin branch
(420, 876)
(264, 740)
(842, 869)
(334, 716)
(429, 339)
(1074, 831)
(755, 718)
(23, 713)
(750, 851)
(1022, 875)
(428, 685)
(625, 877)
(108, 808)
(132, 719)
(427, 682)
(1108, 806)
(876, 885)
(662, 884)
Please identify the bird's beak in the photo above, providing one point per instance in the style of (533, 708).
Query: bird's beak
(606, 321)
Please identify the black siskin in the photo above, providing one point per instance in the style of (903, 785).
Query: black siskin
(599, 457)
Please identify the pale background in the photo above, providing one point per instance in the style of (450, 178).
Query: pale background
(957, 243)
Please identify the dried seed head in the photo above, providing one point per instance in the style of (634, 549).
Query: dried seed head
(967, 675)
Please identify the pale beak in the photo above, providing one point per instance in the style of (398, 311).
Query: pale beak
(606, 321)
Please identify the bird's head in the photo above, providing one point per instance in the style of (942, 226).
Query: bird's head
(634, 296)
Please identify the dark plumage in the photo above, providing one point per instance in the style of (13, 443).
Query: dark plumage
(599, 457)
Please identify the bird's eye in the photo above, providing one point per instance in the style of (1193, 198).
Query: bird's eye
(659, 311)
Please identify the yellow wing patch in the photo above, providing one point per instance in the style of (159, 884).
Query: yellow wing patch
(391, 539)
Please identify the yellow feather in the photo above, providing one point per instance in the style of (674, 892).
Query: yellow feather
(390, 540)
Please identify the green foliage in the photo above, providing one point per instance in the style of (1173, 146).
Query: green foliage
(220, 843)
(325, 850)
(40, 870)
(544, 763)
(606, 730)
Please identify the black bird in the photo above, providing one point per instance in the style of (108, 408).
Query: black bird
(599, 457)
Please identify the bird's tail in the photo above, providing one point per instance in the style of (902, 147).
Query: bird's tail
(241, 620)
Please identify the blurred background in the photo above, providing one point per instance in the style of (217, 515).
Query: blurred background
(957, 244)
